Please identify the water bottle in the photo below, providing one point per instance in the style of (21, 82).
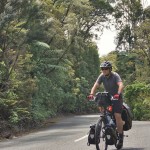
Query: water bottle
(108, 119)
(111, 122)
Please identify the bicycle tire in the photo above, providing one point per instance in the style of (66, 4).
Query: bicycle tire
(98, 135)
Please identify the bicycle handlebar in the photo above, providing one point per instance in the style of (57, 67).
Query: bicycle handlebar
(95, 96)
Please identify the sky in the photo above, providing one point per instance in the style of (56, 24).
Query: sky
(106, 42)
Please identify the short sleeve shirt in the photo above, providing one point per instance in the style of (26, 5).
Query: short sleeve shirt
(110, 83)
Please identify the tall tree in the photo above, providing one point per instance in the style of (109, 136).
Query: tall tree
(128, 14)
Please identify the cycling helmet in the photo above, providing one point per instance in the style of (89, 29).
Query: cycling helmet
(106, 64)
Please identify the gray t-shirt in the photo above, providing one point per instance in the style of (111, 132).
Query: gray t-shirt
(110, 83)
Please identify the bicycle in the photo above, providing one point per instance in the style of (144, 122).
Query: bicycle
(105, 128)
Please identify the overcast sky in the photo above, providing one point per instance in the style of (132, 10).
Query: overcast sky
(106, 42)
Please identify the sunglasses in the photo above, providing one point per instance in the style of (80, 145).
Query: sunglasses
(104, 68)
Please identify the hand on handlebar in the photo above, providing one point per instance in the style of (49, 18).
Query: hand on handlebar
(116, 96)
(90, 97)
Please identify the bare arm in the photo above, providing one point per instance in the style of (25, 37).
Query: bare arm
(120, 89)
(95, 86)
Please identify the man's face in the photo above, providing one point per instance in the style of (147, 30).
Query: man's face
(105, 71)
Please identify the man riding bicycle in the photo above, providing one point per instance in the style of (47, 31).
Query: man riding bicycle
(112, 84)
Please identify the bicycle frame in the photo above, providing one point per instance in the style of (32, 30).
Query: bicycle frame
(106, 125)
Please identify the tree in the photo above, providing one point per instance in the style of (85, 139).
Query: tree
(137, 96)
(128, 14)
(14, 63)
(143, 36)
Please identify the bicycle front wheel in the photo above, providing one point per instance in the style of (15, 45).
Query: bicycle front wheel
(99, 135)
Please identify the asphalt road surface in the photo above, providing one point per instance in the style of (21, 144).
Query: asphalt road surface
(70, 133)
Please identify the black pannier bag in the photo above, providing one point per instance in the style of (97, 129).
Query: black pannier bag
(127, 117)
(110, 136)
(103, 99)
(91, 135)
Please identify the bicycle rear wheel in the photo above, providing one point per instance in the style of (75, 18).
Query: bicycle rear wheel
(99, 135)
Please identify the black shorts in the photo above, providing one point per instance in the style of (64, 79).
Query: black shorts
(117, 105)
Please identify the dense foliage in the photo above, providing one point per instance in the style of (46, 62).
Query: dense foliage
(48, 61)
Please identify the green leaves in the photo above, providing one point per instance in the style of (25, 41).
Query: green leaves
(137, 96)
(128, 15)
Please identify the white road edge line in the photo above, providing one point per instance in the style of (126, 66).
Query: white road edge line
(77, 140)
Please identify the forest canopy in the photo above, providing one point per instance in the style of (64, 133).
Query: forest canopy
(49, 62)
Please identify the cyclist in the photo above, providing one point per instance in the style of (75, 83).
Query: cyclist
(112, 84)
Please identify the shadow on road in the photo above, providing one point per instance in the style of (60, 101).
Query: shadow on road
(133, 148)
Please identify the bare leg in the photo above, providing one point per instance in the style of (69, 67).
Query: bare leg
(101, 109)
(119, 123)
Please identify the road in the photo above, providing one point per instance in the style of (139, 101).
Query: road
(70, 133)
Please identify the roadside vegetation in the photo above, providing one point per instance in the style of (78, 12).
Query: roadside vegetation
(49, 62)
